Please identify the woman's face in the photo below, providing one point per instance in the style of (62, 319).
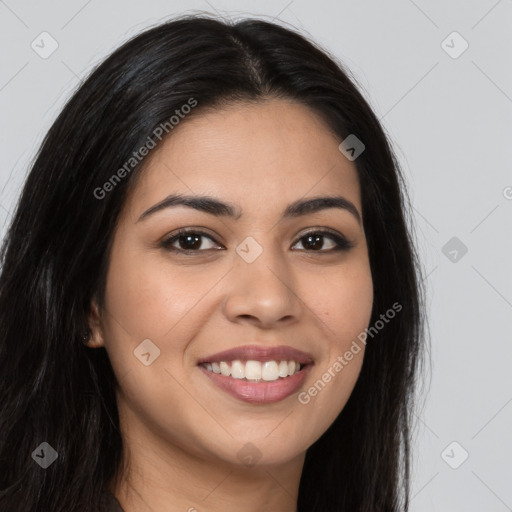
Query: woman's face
(257, 277)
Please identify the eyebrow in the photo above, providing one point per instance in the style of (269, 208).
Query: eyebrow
(216, 207)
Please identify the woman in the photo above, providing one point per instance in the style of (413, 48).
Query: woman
(209, 296)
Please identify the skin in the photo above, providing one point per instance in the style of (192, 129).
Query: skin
(182, 433)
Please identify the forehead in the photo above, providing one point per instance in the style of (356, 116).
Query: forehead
(259, 155)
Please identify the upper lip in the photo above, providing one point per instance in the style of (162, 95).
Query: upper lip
(260, 353)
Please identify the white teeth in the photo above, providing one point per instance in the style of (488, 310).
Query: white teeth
(283, 369)
(254, 370)
(224, 369)
(270, 371)
(237, 370)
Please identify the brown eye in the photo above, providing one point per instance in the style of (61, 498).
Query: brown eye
(314, 241)
(188, 241)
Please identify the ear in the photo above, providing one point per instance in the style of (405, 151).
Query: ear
(96, 339)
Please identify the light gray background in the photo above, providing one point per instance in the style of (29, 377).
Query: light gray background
(449, 120)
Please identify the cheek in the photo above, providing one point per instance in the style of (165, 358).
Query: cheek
(149, 297)
(343, 302)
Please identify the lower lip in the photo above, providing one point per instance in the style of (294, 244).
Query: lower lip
(263, 392)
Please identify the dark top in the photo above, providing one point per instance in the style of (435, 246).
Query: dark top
(110, 503)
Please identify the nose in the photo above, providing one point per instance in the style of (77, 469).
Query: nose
(262, 292)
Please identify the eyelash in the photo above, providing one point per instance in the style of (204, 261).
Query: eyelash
(342, 244)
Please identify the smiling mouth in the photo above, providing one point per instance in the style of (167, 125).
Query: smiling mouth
(255, 371)
(257, 382)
